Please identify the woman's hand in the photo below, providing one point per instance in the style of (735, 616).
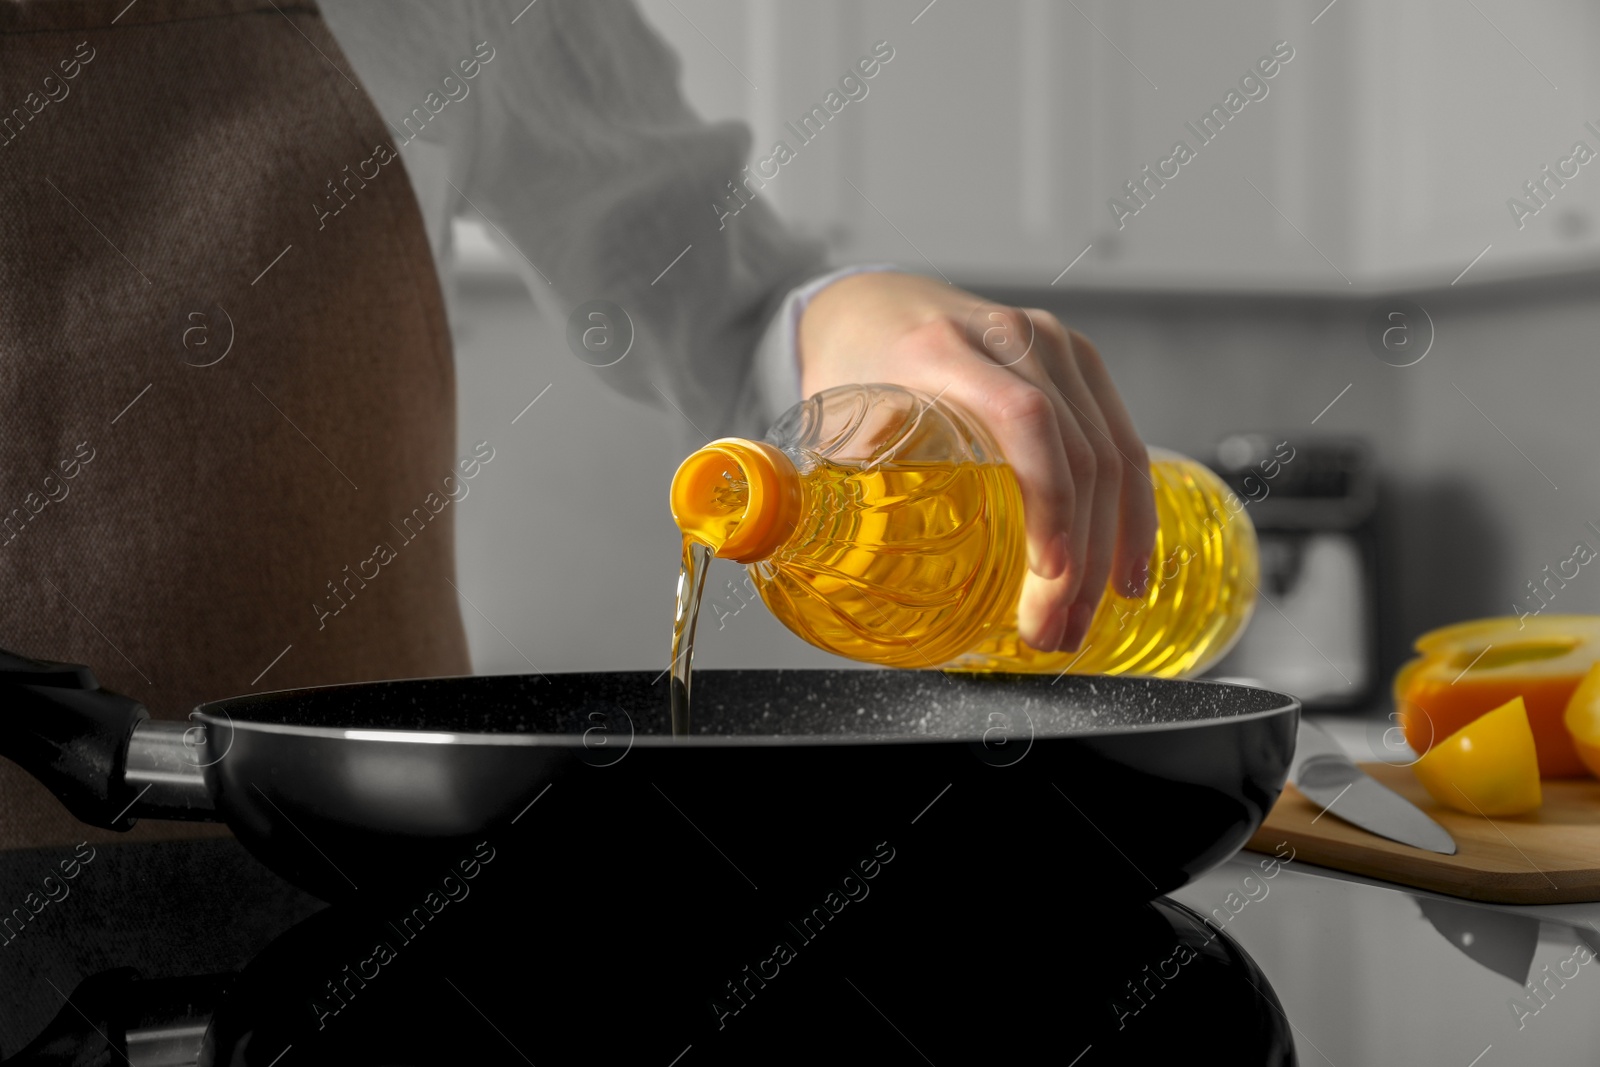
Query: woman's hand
(1045, 395)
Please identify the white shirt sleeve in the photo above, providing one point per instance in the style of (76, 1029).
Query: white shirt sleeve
(564, 129)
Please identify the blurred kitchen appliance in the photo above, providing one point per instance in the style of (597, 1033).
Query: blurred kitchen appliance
(1314, 506)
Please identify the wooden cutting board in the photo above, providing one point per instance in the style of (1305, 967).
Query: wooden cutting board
(1551, 856)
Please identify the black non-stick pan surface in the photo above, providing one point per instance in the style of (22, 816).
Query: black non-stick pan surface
(1112, 789)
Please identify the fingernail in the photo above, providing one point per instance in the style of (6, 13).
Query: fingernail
(1051, 629)
(1079, 616)
(1053, 564)
(1060, 554)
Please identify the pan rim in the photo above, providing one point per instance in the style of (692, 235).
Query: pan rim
(208, 712)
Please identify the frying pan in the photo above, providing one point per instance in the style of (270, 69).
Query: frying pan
(1114, 788)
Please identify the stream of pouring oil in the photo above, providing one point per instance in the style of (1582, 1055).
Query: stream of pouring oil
(691, 583)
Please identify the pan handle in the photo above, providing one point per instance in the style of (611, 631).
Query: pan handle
(62, 728)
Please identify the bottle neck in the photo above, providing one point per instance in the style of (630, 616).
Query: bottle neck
(742, 498)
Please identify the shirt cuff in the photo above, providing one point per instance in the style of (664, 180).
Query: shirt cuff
(776, 373)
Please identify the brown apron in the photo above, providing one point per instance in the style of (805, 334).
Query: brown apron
(227, 402)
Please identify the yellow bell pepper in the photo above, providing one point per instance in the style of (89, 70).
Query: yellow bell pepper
(1488, 767)
(1582, 719)
(1464, 670)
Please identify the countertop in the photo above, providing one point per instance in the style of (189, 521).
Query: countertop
(1371, 972)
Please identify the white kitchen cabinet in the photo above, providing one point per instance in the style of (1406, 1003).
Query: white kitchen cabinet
(1461, 105)
(1382, 154)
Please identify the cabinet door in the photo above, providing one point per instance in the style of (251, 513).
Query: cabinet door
(952, 162)
(1204, 172)
(990, 148)
(1462, 104)
(959, 163)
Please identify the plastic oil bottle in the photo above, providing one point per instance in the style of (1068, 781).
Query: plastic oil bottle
(884, 525)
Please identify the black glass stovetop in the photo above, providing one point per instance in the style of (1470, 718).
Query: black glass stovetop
(190, 952)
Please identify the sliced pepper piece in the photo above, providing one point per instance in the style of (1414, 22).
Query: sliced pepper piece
(1463, 671)
(1488, 767)
(1583, 719)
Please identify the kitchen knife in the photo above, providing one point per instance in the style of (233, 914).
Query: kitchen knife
(1327, 776)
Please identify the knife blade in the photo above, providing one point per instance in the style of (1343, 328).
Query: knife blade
(1328, 777)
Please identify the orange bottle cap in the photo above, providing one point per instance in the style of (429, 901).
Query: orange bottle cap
(740, 497)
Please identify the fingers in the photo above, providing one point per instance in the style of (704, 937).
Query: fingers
(1026, 426)
(1098, 471)
(1083, 472)
(1082, 467)
(1136, 508)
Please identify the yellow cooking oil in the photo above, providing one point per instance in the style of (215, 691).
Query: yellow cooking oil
(884, 526)
(905, 565)
(1204, 573)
